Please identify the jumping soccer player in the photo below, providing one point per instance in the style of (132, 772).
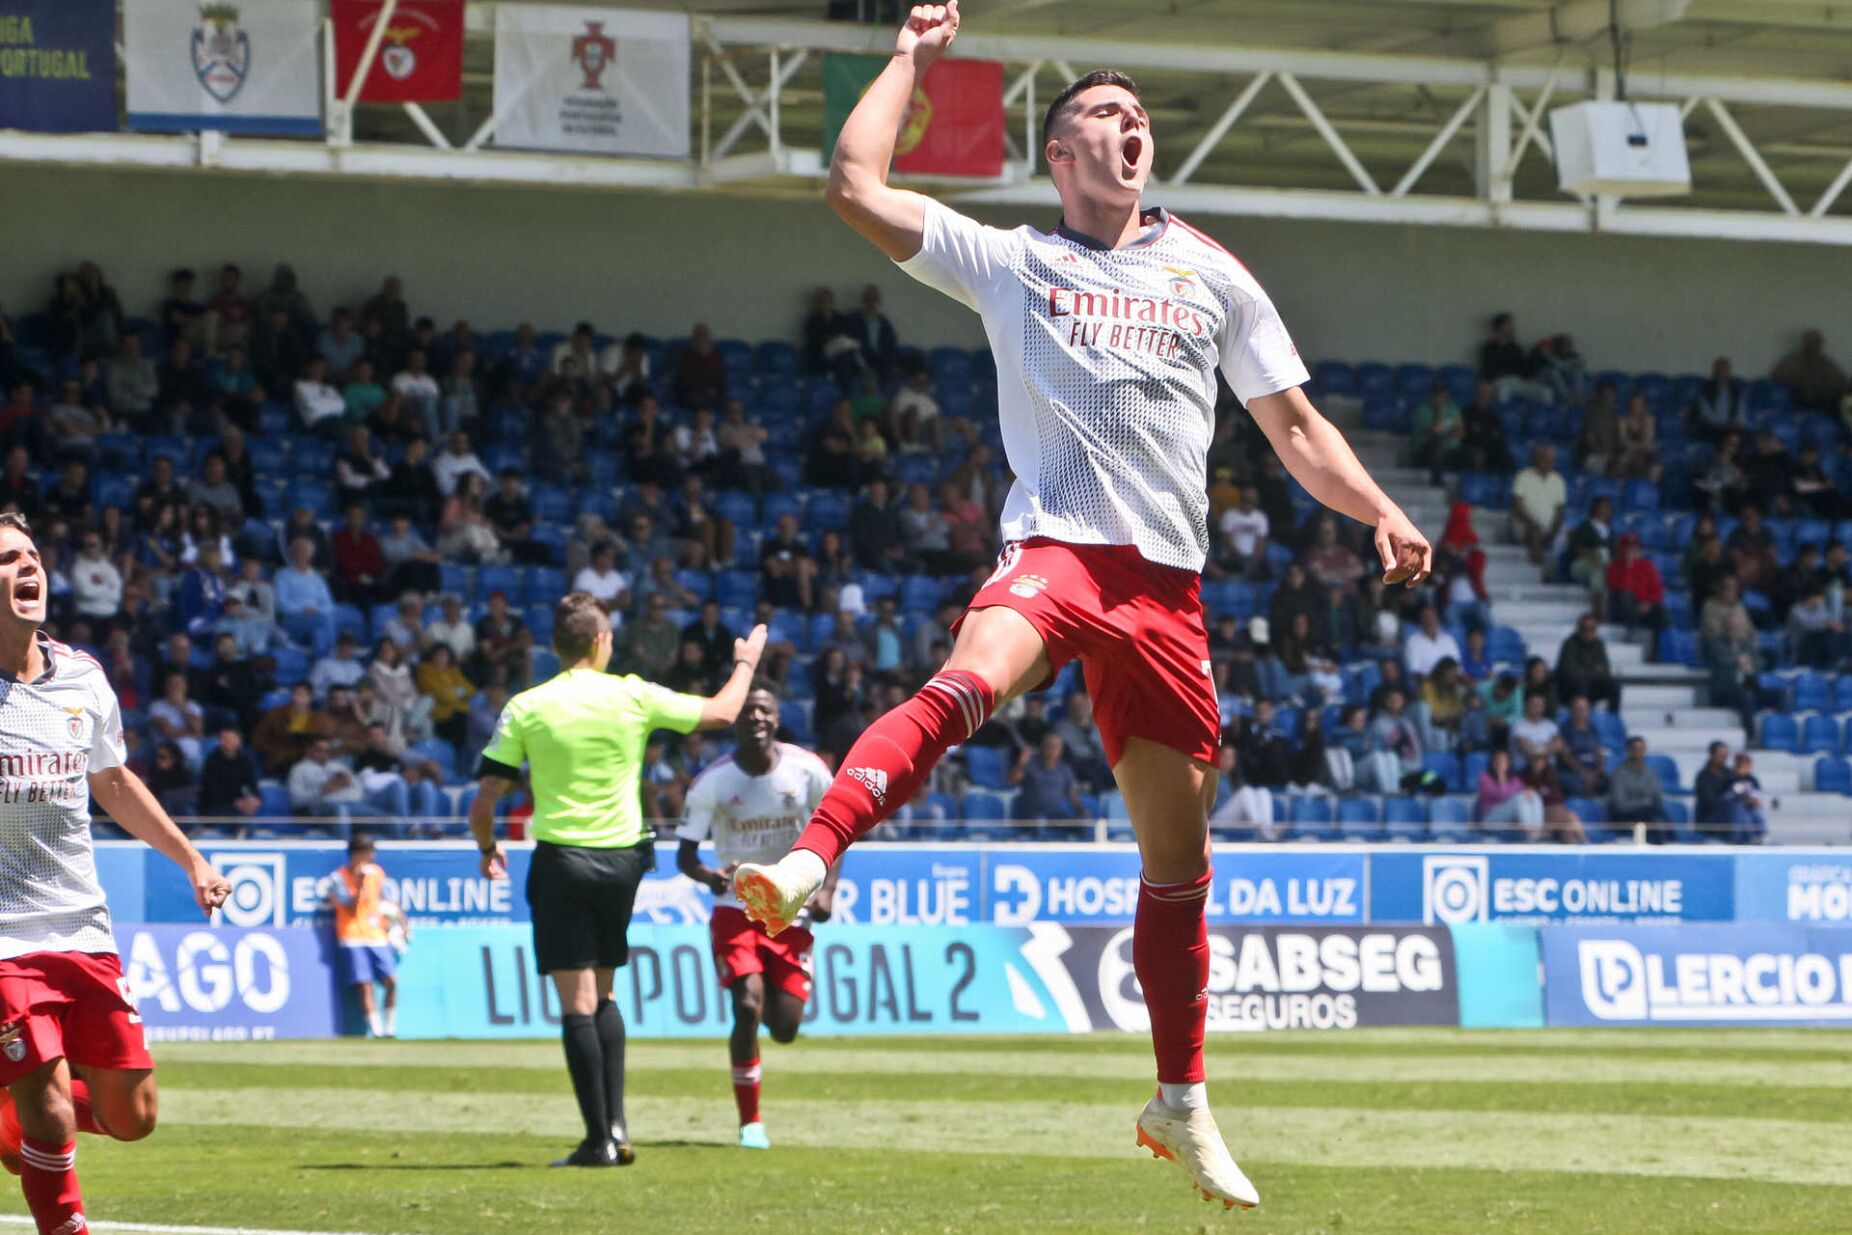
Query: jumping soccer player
(73, 1056)
(1107, 331)
(752, 805)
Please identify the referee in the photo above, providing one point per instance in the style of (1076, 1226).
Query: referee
(582, 735)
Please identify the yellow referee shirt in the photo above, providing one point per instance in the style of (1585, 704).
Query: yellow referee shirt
(583, 735)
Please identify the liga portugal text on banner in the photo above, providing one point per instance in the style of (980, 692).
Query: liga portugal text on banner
(594, 81)
(954, 126)
(420, 56)
(58, 65)
(251, 67)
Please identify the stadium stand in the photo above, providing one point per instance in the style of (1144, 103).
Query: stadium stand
(255, 541)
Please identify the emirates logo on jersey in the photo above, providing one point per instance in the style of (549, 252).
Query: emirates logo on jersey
(1116, 306)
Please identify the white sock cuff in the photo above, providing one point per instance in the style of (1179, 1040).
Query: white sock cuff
(746, 1073)
(1187, 1095)
(807, 864)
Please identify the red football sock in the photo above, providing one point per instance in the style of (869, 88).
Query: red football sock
(1170, 955)
(889, 762)
(746, 1091)
(48, 1177)
(86, 1112)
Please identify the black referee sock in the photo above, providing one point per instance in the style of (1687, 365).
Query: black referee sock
(610, 1025)
(585, 1062)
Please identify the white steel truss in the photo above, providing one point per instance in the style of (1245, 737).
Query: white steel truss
(1485, 116)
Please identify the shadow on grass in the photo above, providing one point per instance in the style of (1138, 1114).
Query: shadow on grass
(506, 1165)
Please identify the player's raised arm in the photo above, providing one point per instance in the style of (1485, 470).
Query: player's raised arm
(893, 219)
(121, 793)
(1320, 459)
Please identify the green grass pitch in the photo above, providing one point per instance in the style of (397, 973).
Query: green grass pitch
(1429, 1132)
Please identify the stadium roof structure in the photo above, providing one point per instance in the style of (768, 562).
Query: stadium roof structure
(1409, 111)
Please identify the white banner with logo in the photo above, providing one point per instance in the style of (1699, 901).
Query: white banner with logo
(595, 81)
(239, 66)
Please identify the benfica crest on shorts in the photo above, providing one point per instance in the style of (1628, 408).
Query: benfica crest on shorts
(10, 1045)
(1026, 586)
(221, 51)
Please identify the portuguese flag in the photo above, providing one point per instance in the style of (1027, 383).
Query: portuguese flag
(953, 128)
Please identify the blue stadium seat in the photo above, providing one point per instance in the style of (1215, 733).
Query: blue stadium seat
(438, 751)
(794, 715)
(1312, 818)
(776, 358)
(539, 622)
(984, 808)
(545, 584)
(1471, 765)
(313, 494)
(504, 579)
(1449, 821)
(826, 511)
(1505, 644)
(1613, 729)
(737, 589)
(1667, 769)
(1359, 819)
(353, 620)
(1447, 767)
(737, 508)
(115, 491)
(551, 504)
(987, 766)
(1819, 735)
(1842, 693)
(546, 664)
(275, 801)
(292, 666)
(1780, 732)
(1832, 775)
(1334, 377)
(1813, 692)
(919, 594)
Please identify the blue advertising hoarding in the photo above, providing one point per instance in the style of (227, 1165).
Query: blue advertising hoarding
(1526, 884)
(882, 885)
(58, 65)
(202, 983)
(479, 982)
(1795, 886)
(1697, 975)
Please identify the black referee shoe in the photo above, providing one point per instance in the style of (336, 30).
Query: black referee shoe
(594, 1153)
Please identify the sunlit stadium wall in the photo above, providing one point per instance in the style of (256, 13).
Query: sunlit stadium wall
(657, 263)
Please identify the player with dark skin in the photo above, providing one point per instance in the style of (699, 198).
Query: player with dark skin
(778, 1010)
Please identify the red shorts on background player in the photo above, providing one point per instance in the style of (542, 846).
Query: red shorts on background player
(1108, 330)
(751, 805)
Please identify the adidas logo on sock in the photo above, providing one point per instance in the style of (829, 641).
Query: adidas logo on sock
(874, 780)
(74, 1225)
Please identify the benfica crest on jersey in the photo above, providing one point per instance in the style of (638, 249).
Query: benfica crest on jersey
(74, 724)
(221, 51)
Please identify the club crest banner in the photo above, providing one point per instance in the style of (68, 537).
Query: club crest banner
(420, 57)
(594, 81)
(250, 67)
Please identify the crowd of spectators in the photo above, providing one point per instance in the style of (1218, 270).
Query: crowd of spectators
(316, 555)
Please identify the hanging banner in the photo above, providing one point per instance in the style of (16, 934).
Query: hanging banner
(420, 57)
(58, 65)
(953, 127)
(595, 81)
(252, 67)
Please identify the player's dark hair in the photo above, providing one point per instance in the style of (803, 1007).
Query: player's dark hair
(16, 521)
(360, 843)
(1099, 77)
(578, 620)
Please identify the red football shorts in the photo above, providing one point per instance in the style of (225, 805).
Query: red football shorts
(741, 946)
(1137, 628)
(70, 1004)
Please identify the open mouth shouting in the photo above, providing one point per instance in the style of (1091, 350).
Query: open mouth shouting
(28, 593)
(1130, 152)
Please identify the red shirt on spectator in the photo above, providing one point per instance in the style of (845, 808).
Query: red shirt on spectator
(357, 555)
(1635, 575)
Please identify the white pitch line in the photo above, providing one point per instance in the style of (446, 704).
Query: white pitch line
(158, 1228)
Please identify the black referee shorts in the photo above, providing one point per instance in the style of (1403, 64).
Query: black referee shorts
(580, 900)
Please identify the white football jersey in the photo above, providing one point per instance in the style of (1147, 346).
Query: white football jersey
(53, 733)
(753, 818)
(1106, 364)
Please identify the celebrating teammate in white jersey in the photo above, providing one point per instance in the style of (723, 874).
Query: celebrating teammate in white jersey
(1107, 332)
(73, 1057)
(752, 805)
